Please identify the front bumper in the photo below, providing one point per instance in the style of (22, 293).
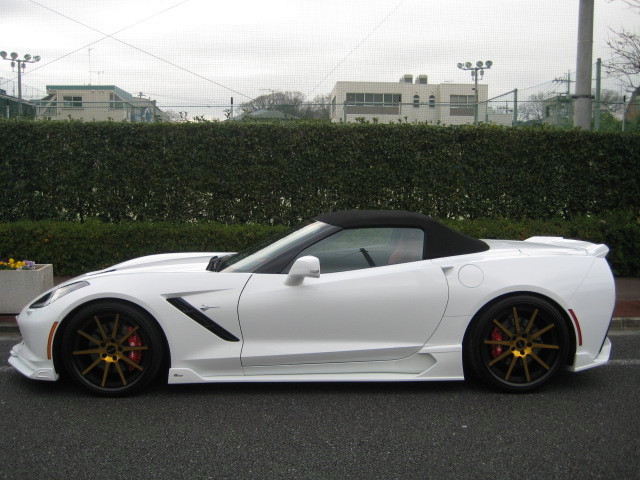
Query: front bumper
(28, 368)
(30, 356)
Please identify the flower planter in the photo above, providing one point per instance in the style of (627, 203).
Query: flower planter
(19, 287)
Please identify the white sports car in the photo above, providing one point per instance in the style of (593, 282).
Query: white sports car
(348, 296)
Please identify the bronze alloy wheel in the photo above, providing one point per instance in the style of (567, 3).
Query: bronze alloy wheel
(112, 349)
(518, 343)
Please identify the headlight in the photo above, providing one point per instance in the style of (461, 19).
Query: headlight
(59, 292)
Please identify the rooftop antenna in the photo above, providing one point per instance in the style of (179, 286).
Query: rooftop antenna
(92, 71)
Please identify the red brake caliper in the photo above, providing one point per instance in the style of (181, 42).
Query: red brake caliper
(496, 350)
(134, 341)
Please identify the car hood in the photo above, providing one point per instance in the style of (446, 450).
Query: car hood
(160, 263)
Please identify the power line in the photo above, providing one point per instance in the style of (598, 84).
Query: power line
(132, 46)
(339, 64)
(105, 35)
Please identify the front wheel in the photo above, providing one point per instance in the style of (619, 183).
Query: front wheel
(112, 349)
(518, 343)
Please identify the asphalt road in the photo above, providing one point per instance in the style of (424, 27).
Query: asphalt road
(584, 426)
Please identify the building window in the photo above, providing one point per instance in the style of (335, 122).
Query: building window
(115, 101)
(373, 103)
(462, 105)
(416, 101)
(373, 99)
(432, 101)
(72, 102)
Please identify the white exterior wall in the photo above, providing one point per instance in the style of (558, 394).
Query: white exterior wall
(441, 112)
(95, 106)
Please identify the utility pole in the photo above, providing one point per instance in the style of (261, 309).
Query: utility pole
(582, 97)
(476, 71)
(596, 113)
(567, 80)
(13, 58)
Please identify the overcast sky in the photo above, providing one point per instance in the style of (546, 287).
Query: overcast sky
(202, 52)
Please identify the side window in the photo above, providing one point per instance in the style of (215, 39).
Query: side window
(357, 248)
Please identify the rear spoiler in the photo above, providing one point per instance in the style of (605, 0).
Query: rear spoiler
(596, 250)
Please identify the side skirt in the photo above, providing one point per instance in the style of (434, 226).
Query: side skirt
(430, 363)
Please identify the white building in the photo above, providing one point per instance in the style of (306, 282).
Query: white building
(96, 103)
(409, 101)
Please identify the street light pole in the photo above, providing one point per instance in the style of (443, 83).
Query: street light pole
(475, 71)
(21, 62)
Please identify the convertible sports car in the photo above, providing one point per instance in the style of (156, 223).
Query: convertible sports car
(348, 296)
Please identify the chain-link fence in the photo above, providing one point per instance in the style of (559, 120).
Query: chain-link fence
(550, 103)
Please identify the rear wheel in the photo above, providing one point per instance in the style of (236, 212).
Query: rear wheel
(112, 349)
(518, 343)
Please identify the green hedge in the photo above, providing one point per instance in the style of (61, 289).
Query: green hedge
(280, 173)
(75, 247)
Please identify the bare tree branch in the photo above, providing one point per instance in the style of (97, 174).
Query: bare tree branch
(625, 48)
(625, 64)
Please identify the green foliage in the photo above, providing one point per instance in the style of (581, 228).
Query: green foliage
(75, 248)
(280, 173)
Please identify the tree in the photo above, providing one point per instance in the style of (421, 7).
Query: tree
(318, 109)
(532, 110)
(625, 64)
(288, 103)
(625, 47)
(172, 116)
(611, 100)
(291, 103)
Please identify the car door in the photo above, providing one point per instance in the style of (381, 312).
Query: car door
(360, 309)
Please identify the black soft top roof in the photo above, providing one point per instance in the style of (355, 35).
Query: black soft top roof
(440, 241)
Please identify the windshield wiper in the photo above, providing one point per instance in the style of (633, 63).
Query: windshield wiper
(216, 261)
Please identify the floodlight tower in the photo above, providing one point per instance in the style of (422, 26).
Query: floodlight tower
(21, 62)
(476, 71)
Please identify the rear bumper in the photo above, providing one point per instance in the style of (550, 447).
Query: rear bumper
(584, 361)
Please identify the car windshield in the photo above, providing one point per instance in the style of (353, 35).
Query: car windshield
(251, 258)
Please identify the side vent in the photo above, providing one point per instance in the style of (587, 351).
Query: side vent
(200, 318)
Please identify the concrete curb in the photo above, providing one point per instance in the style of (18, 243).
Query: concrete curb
(625, 323)
(7, 328)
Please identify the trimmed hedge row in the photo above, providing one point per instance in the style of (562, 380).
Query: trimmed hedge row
(281, 173)
(75, 248)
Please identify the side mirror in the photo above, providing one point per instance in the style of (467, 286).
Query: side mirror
(303, 267)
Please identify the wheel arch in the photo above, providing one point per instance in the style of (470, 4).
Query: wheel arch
(56, 349)
(563, 313)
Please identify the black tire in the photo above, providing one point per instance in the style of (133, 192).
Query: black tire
(112, 349)
(518, 344)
